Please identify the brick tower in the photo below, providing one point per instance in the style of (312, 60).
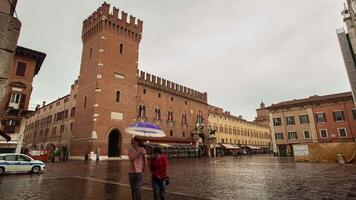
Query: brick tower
(106, 101)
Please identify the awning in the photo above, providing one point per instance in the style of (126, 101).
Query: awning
(215, 145)
(164, 145)
(230, 146)
(253, 147)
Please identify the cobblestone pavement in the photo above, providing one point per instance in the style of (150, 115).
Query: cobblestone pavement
(256, 177)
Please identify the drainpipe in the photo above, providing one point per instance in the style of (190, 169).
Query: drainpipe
(348, 122)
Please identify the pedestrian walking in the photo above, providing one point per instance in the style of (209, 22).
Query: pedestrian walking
(138, 161)
(158, 168)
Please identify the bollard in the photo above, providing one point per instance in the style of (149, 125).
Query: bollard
(97, 154)
(86, 157)
(340, 159)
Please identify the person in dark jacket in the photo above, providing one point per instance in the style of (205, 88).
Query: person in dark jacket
(158, 168)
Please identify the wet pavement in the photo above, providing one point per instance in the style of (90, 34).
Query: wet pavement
(256, 177)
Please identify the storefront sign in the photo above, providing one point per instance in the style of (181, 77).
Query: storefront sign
(301, 150)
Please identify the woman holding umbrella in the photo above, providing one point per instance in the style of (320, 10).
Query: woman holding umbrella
(138, 161)
(137, 154)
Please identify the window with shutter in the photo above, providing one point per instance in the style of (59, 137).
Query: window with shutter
(354, 113)
(22, 101)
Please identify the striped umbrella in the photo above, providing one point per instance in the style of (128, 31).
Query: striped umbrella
(145, 129)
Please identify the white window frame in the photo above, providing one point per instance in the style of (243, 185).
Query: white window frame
(304, 134)
(300, 116)
(13, 103)
(316, 119)
(296, 135)
(327, 134)
(342, 115)
(287, 120)
(277, 137)
(338, 131)
(274, 121)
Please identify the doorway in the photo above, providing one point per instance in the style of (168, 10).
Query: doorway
(114, 147)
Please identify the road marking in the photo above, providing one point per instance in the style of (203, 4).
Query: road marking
(145, 188)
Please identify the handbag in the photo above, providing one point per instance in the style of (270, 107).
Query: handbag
(166, 180)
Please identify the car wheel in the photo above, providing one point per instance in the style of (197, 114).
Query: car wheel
(35, 169)
(2, 170)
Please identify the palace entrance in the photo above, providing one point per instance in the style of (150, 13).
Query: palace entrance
(114, 147)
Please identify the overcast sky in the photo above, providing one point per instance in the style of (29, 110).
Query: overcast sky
(241, 52)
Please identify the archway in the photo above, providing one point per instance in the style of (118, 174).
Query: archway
(114, 146)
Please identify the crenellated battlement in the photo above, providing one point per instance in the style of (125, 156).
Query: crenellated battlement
(171, 87)
(116, 20)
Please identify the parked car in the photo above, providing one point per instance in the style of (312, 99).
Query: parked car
(15, 162)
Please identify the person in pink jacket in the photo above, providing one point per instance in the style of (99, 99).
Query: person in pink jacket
(138, 161)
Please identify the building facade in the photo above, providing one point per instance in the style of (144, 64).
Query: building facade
(10, 28)
(347, 42)
(317, 119)
(236, 131)
(112, 94)
(51, 125)
(25, 66)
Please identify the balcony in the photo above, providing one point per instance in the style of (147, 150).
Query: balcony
(170, 122)
(9, 129)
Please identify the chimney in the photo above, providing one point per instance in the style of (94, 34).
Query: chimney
(43, 103)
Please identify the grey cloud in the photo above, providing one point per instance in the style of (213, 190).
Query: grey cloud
(240, 52)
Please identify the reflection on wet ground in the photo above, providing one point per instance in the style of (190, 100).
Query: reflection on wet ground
(256, 177)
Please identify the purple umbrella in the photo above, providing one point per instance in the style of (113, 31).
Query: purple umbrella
(146, 129)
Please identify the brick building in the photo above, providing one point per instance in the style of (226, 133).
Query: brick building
(328, 118)
(25, 66)
(112, 93)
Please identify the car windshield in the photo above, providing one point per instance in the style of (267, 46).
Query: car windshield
(1, 157)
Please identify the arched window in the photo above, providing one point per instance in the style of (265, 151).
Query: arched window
(121, 48)
(170, 116)
(184, 118)
(85, 101)
(90, 52)
(157, 114)
(221, 129)
(141, 111)
(200, 117)
(118, 96)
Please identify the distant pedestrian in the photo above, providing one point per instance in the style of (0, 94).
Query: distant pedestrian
(236, 154)
(138, 161)
(158, 168)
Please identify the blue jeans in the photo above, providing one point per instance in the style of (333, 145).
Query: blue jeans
(136, 183)
(159, 188)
